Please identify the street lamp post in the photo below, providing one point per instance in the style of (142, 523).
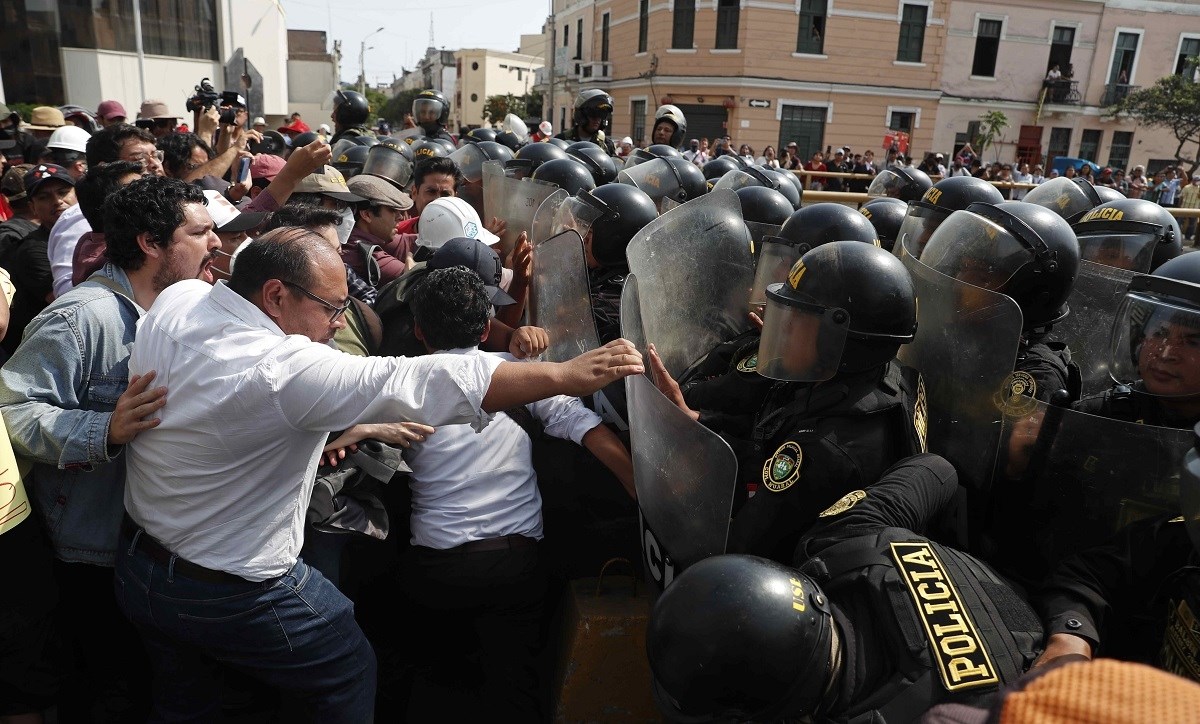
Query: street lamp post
(362, 68)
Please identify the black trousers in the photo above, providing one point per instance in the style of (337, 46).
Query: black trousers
(502, 598)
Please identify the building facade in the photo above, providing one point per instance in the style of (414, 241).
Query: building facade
(437, 70)
(483, 73)
(828, 73)
(312, 72)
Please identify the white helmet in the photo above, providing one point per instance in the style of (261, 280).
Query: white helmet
(675, 116)
(449, 218)
(69, 138)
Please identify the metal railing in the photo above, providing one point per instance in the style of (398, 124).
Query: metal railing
(1114, 93)
(1062, 91)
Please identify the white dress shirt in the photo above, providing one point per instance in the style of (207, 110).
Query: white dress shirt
(226, 478)
(468, 487)
(64, 237)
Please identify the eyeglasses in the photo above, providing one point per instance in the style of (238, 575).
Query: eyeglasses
(337, 311)
(144, 159)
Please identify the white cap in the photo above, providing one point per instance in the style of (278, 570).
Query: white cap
(627, 141)
(448, 218)
(323, 128)
(69, 138)
(259, 121)
(545, 128)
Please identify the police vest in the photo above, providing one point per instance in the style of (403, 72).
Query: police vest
(965, 631)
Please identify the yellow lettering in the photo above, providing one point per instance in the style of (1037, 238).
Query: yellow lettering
(959, 626)
(923, 592)
(962, 668)
(926, 576)
(933, 195)
(924, 557)
(797, 594)
(932, 608)
(796, 273)
(958, 645)
(798, 605)
(865, 212)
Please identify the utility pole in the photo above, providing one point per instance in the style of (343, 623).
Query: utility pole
(362, 68)
(548, 104)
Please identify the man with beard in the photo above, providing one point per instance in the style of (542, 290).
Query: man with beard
(70, 409)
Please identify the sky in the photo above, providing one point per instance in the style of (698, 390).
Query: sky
(494, 24)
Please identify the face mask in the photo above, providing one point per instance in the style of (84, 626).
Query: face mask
(346, 227)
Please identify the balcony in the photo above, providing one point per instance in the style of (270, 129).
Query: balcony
(1062, 92)
(1114, 93)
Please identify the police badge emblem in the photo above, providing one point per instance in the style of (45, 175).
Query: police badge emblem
(847, 501)
(748, 363)
(1017, 397)
(782, 470)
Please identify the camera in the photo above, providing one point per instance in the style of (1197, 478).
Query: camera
(206, 96)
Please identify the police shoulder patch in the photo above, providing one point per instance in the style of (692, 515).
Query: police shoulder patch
(847, 501)
(921, 415)
(1018, 396)
(782, 470)
(749, 363)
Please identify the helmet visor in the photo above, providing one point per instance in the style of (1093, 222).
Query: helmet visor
(887, 183)
(426, 111)
(919, 224)
(1132, 251)
(738, 179)
(972, 249)
(801, 341)
(513, 124)
(470, 159)
(1062, 196)
(340, 148)
(576, 214)
(639, 155)
(776, 257)
(389, 163)
(656, 177)
(1157, 341)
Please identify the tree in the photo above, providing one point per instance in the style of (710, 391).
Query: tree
(397, 106)
(495, 108)
(991, 125)
(1172, 103)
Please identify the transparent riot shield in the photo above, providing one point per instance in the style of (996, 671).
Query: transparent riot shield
(694, 272)
(559, 301)
(965, 348)
(1087, 330)
(543, 225)
(410, 135)
(559, 212)
(631, 315)
(759, 231)
(1079, 478)
(685, 476)
(515, 201)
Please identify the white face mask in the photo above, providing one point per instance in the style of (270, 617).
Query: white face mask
(346, 227)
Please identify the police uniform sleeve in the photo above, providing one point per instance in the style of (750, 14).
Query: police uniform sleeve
(1097, 588)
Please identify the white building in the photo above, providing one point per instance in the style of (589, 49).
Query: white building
(483, 73)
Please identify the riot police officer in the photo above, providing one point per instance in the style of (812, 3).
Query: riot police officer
(904, 183)
(593, 109)
(887, 216)
(877, 623)
(1070, 198)
(935, 206)
(670, 125)
(350, 113)
(431, 111)
(841, 411)
(1133, 234)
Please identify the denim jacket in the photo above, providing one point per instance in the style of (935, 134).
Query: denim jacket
(57, 394)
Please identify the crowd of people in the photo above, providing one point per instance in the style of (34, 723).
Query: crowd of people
(283, 445)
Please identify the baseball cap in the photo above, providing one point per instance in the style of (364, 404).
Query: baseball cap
(479, 258)
(259, 121)
(328, 181)
(45, 118)
(627, 141)
(266, 165)
(449, 218)
(545, 128)
(69, 138)
(295, 127)
(43, 172)
(152, 108)
(12, 184)
(380, 191)
(109, 110)
(226, 216)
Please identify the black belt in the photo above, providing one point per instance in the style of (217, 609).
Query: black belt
(154, 549)
(503, 543)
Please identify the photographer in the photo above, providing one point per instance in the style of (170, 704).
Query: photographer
(219, 116)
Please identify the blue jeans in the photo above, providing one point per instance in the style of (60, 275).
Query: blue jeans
(296, 632)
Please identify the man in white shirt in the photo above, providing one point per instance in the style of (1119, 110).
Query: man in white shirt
(209, 568)
(476, 522)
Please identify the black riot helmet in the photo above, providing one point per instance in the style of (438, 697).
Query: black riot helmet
(475, 135)
(426, 147)
(509, 139)
(788, 184)
(602, 166)
(1155, 331)
(560, 142)
(740, 638)
(662, 150)
(350, 108)
(1133, 234)
(303, 139)
(570, 175)
(592, 103)
(1024, 251)
(351, 161)
(672, 115)
(1070, 198)
(387, 160)
(887, 216)
(937, 203)
(763, 205)
(471, 157)
(845, 308)
(431, 111)
(1108, 193)
(539, 153)
(624, 210)
(906, 184)
(718, 167)
(445, 143)
(668, 177)
(818, 224)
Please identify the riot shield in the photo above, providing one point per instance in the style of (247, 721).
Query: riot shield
(685, 476)
(759, 231)
(515, 201)
(559, 301)
(1080, 477)
(410, 135)
(631, 315)
(542, 226)
(559, 212)
(694, 272)
(1087, 330)
(965, 348)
